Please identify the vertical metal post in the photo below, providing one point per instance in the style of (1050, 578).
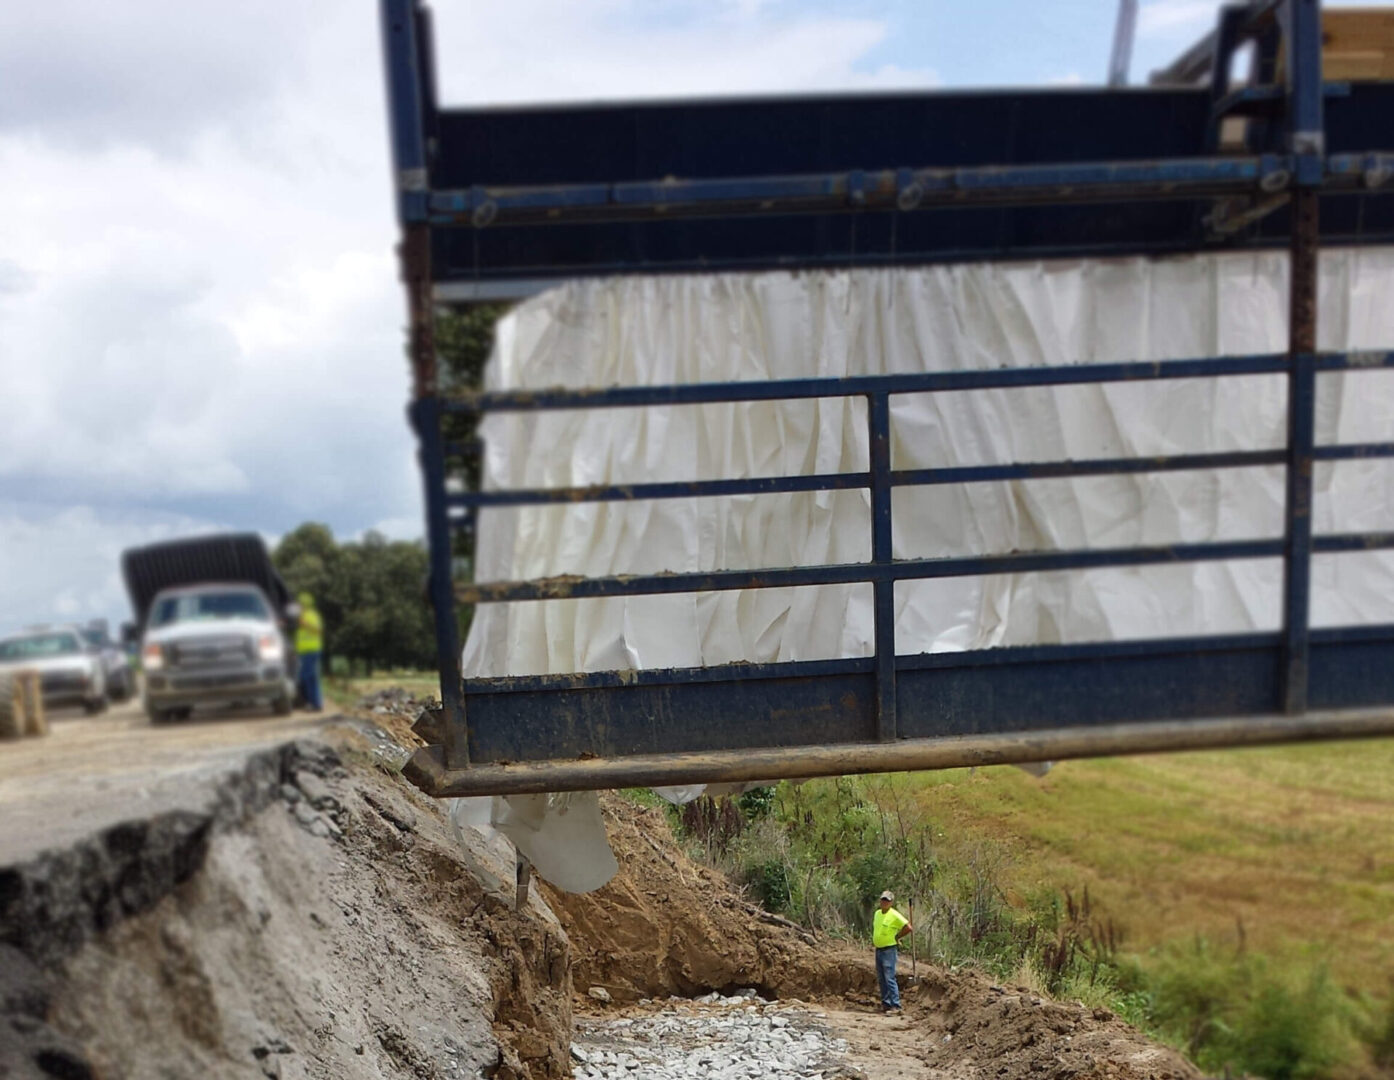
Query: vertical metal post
(879, 425)
(426, 418)
(406, 107)
(1123, 32)
(405, 35)
(426, 414)
(1297, 553)
(1306, 141)
(1306, 126)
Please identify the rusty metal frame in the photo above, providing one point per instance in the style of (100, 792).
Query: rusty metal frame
(889, 711)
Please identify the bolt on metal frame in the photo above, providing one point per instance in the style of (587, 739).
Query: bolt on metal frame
(889, 711)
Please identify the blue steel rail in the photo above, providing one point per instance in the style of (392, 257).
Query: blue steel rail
(523, 216)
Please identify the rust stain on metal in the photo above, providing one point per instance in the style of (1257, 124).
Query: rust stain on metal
(415, 255)
(426, 767)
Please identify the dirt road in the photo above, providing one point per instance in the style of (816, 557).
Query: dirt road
(91, 772)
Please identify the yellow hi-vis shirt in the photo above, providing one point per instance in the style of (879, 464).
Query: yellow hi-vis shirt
(309, 633)
(885, 925)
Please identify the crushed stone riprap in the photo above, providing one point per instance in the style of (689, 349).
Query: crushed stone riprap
(716, 1037)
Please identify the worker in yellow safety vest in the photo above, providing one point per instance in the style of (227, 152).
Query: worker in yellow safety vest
(309, 647)
(888, 926)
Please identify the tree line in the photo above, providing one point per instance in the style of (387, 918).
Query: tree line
(371, 593)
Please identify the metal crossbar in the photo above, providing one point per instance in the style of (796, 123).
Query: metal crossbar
(1162, 183)
(902, 190)
(883, 568)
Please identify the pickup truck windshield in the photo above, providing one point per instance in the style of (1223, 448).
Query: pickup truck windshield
(205, 606)
(40, 645)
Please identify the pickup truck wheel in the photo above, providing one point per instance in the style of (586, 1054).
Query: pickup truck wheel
(282, 705)
(158, 716)
(120, 691)
(93, 706)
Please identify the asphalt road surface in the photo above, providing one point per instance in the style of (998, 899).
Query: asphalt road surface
(90, 772)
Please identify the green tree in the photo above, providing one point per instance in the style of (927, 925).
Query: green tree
(371, 593)
(464, 340)
(309, 560)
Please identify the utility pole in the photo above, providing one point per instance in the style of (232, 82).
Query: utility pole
(1123, 31)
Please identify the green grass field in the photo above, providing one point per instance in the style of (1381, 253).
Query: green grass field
(1288, 851)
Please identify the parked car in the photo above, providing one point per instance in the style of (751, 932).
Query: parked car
(120, 681)
(213, 624)
(70, 672)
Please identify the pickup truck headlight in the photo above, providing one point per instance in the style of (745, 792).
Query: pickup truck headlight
(152, 658)
(269, 647)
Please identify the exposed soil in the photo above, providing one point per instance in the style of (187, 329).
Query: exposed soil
(960, 1025)
(296, 910)
(665, 926)
(317, 922)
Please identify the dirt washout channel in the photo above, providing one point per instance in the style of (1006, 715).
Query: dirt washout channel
(310, 915)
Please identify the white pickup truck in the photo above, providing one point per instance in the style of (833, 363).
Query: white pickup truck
(214, 625)
(214, 644)
(70, 672)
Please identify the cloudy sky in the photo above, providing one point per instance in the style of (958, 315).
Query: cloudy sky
(200, 323)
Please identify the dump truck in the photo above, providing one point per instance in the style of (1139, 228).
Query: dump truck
(213, 620)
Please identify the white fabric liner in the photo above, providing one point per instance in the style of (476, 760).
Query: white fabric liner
(644, 331)
(640, 331)
(562, 834)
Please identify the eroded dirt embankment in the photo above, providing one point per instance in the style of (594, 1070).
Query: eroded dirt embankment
(310, 915)
(315, 921)
(665, 925)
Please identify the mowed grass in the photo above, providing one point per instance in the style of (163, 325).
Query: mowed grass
(1293, 844)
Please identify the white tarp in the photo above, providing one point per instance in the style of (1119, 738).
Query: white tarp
(627, 332)
(781, 325)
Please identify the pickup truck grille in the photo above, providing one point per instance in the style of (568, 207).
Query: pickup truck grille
(209, 652)
(214, 680)
(59, 682)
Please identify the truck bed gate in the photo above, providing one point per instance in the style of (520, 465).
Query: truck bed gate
(497, 203)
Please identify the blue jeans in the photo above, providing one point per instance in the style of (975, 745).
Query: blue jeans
(309, 680)
(885, 975)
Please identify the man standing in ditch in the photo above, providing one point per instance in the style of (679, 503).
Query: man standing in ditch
(888, 926)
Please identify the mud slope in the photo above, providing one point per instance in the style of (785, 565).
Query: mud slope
(665, 926)
(316, 922)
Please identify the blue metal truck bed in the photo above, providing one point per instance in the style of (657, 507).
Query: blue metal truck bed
(497, 203)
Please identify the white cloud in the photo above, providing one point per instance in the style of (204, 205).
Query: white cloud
(539, 50)
(200, 318)
(93, 74)
(64, 565)
(401, 528)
